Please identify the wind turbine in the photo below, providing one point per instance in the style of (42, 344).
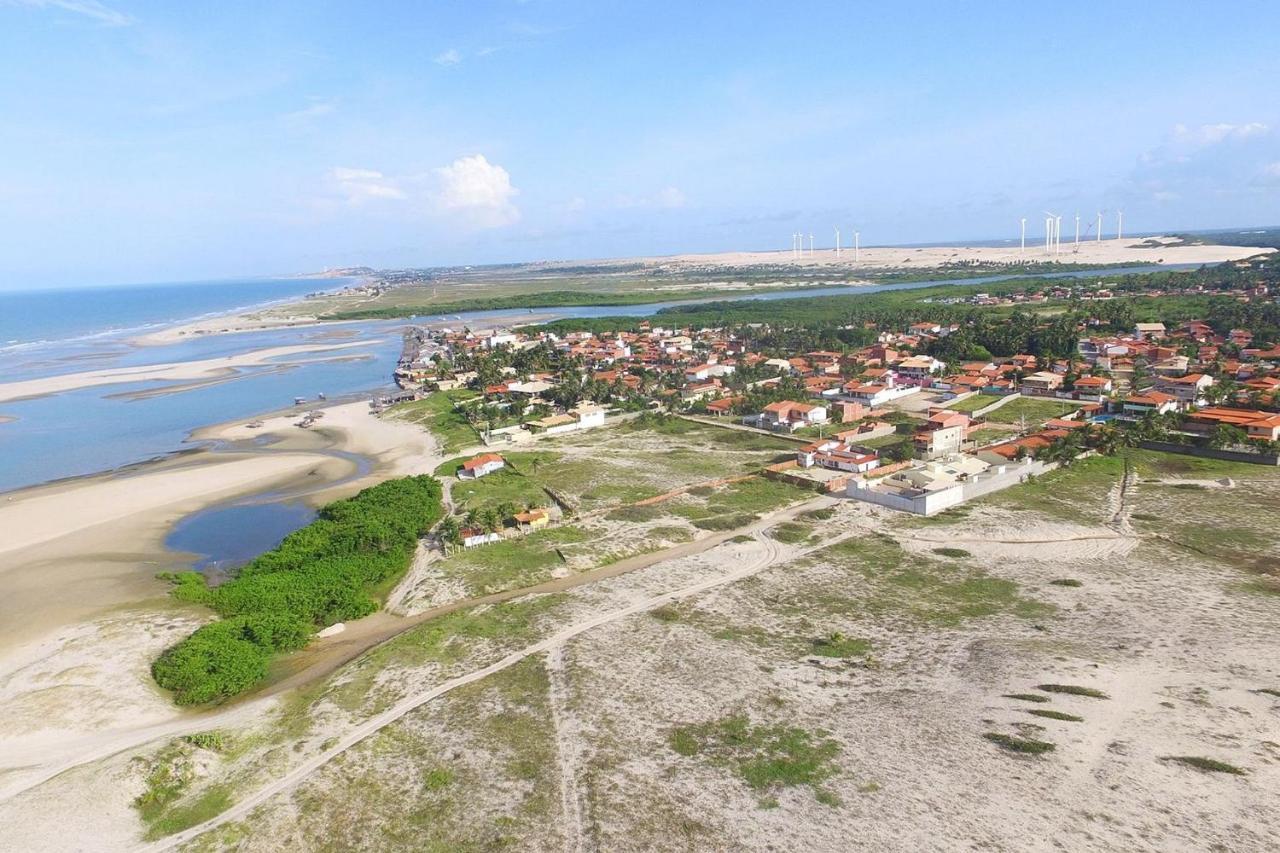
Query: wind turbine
(1099, 226)
(1119, 224)
(1048, 232)
(1057, 234)
(810, 244)
(1077, 248)
(856, 234)
(1023, 249)
(837, 242)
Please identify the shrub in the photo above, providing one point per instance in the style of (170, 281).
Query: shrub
(1072, 690)
(1066, 582)
(951, 552)
(1208, 765)
(1055, 715)
(1027, 697)
(1026, 746)
(317, 576)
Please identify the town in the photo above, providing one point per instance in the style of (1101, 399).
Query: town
(888, 423)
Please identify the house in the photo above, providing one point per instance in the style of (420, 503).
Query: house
(473, 536)
(1189, 389)
(532, 519)
(480, 466)
(789, 415)
(1092, 387)
(918, 368)
(1043, 383)
(838, 455)
(1150, 402)
(942, 434)
(588, 415)
(723, 406)
(1148, 331)
(1261, 426)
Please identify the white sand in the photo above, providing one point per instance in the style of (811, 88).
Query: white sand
(209, 368)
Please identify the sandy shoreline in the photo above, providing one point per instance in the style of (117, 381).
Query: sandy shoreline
(203, 369)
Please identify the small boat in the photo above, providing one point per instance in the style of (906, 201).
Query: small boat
(298, 401)
(321, 397)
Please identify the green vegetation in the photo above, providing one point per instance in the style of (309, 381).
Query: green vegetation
(918, 587)
(1072, 582)
(764, 756)
(212, 741)
(1027, 697)
(837, 645)
(971, 404)
(1073, 690)
(1208, 765)
(441, 414)
(951, 552)
(791, 532)
(1269, 691)
(1055, 715)
(1026, 746)
(327, 572)
(1035, 410)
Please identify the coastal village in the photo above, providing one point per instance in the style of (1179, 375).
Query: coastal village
(887, 423)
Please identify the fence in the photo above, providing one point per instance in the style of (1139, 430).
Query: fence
(1212, 452)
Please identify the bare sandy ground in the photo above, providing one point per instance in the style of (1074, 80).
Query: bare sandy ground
(204, 369)
(885, 257)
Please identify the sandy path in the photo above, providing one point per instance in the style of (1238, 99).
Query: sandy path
(400, 709)
(179, 371)
(568, 757)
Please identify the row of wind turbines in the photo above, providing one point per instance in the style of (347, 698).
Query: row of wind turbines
(798, 250)
(1053, 232)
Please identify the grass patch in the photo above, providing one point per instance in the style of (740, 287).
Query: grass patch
(1027, 697)
(837, 645)
(1208, 765)
(819, 514)
(1072, 582)
(211, 803)
(921, 588)
(1073, 690)
(1270, 691)
(1050, 714)
(1025, 746)
(951, 552)
(741, 539)
(764, 756)
(439, 414)
(1036, 411)
(791, 532)
(636, 514)
(665, 613)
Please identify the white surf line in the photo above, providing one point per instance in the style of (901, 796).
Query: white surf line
(404, 706)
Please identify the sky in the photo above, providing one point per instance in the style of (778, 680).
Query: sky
(160, 141)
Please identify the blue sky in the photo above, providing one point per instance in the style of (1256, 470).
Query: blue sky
(148, 141)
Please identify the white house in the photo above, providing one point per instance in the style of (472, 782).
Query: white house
(480, 466)
(473, 536)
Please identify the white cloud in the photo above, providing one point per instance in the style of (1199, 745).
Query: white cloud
(358, 186)
(88, 8)
(479, 190)
(1272, 170)
(1212, 134)
(452, 56)
(670, 197)
(576, 204)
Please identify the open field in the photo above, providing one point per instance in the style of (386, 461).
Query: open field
(841, 673)
(606, 487)
(1035, 410)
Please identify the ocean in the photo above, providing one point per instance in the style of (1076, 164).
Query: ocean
(45, 316)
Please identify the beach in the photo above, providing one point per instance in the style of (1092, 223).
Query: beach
(210, 369)
(83, 610)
